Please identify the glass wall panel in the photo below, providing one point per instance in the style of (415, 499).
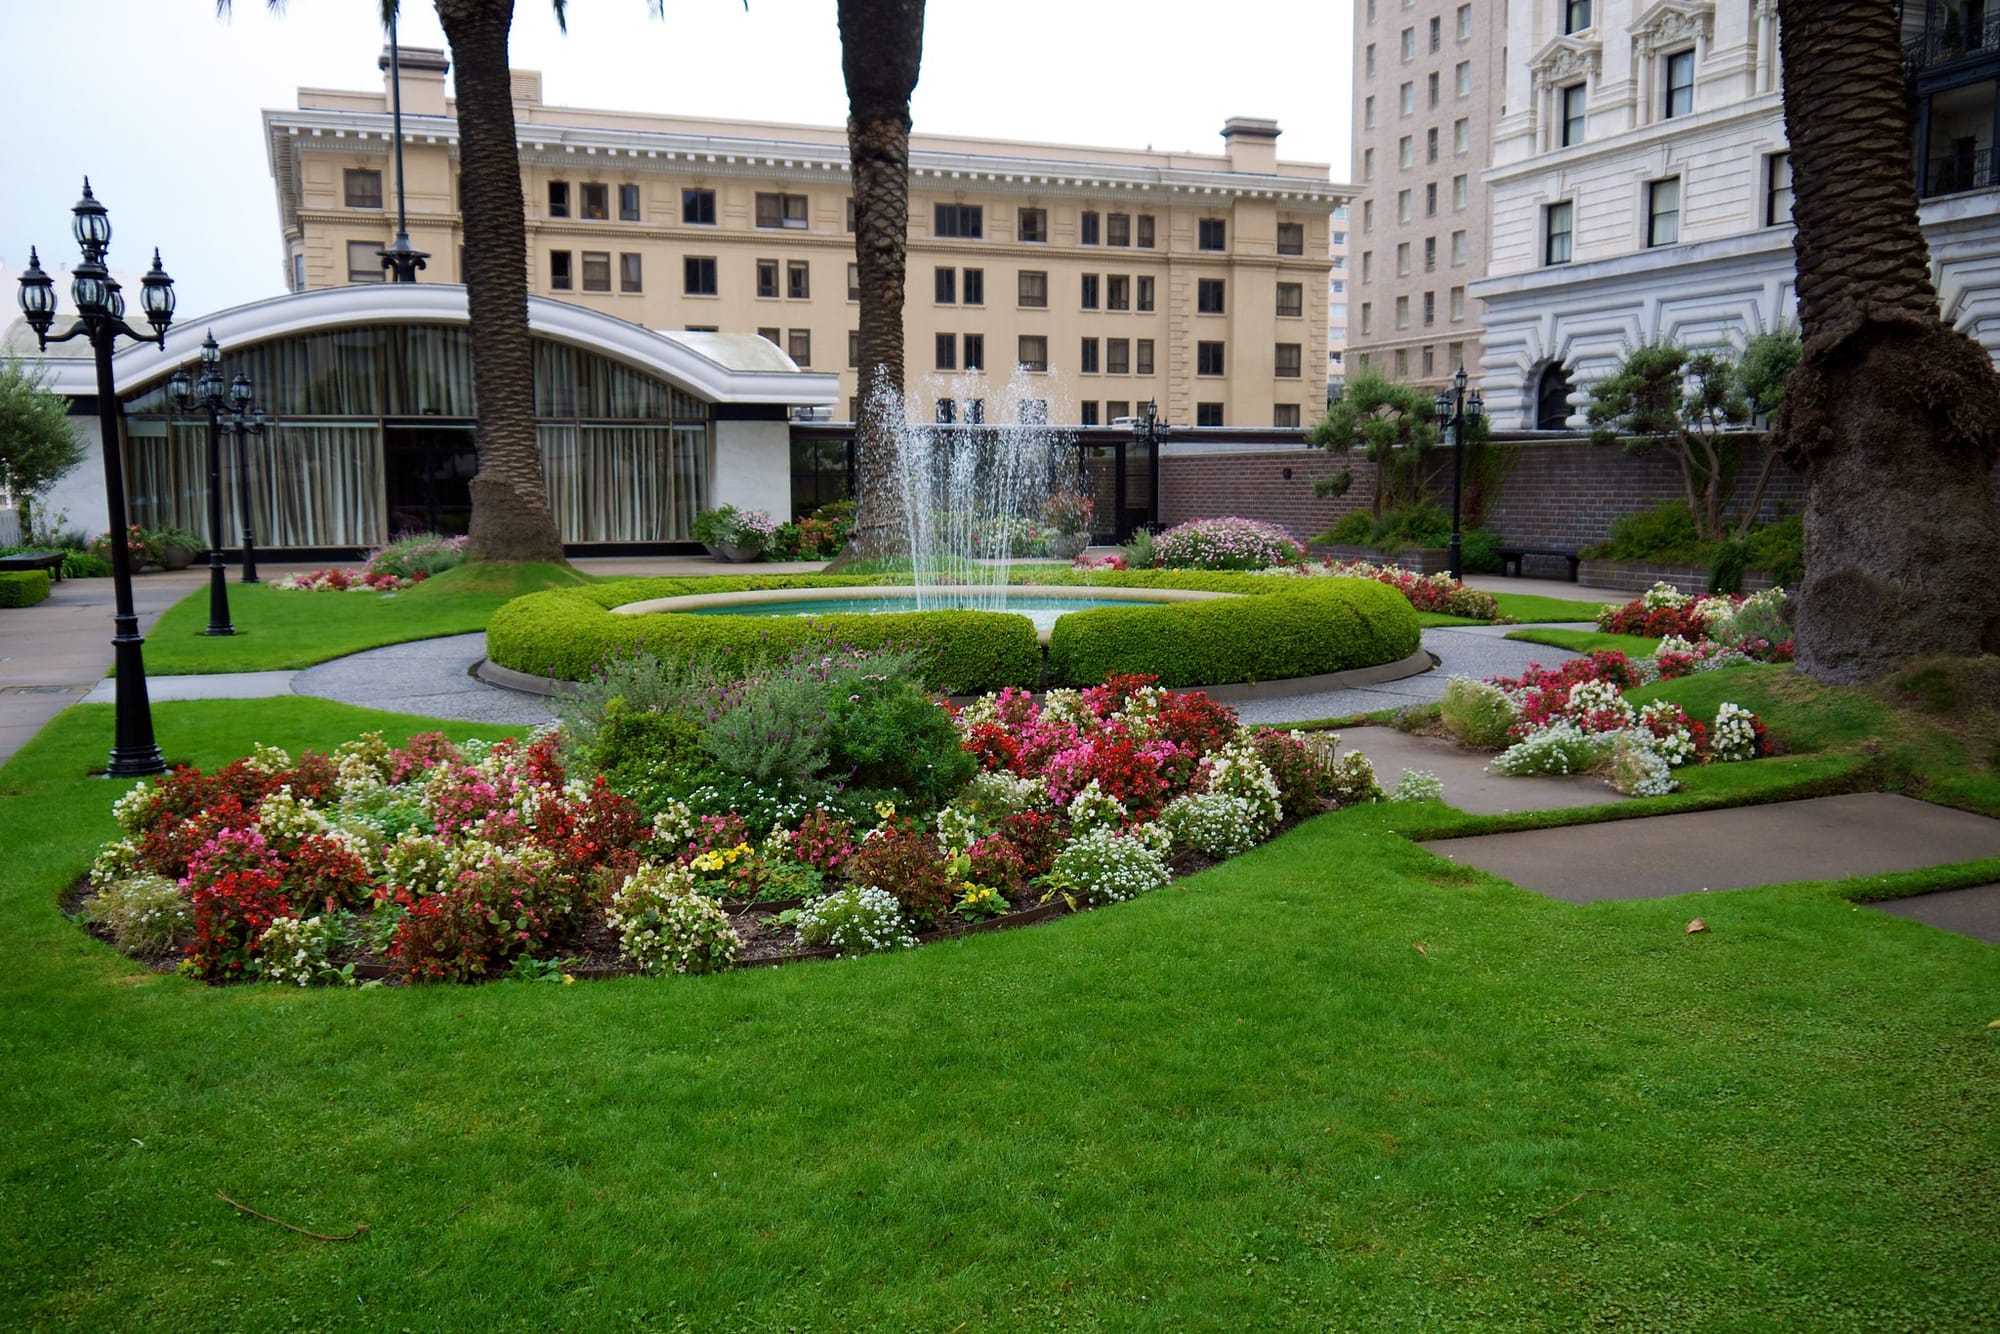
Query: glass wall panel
(326, 478)
(555, 380)
(429, 372)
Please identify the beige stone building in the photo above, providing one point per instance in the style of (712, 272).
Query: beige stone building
(1429, 79)
(1113, 277)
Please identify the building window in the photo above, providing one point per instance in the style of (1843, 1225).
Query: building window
(1088, 297)
(1145, 292)
(966, 221)
(559, 199)
(597, 202)
(1572, 126)
(1032, 354)
(1291, 238)
(1430, 254)
(1461, 135)
(784, 211)
(799, 346)
(1368, 61)
(1212, 234)
(1455, 354)
(362, 188)
(1291, 299)
(1285, 414)
(698, 275)
(1118, 229)
(798, 279)
(1576, 15)
(561, 278)
(767, 279)
(1406, 98)
(1431, 90)
(1144, 352)
(1663, 211)
(1086, 232)
(1118, 356)
(1089, 417)
(1367, 317)
(1034, 410)
(628, 203)
(596, 271)
(1679, 84)
(299, 273)
(1429, 361)
(1367, 164)
(1409, 41)
(1777, 189)
(1118, 291)
(854, 282)
(975, 287)
(1145, 231)
(1208, 359)
(947, 352)
(1458, 247)
(1032, 224)
(1430, 309)
(1402, 312)
(364, 261)
(1402, 258)
(1087, 361)
(1402, 363)
(1405, 152)
(1367, 266)
(1208, 414)
(776, 339)
(1368, 113)
(1458, 189)
(947, 411)
(1367, 215)
(853, 348)
(1034, 289)
(1556, 219)
(975, 352)
(1288, 361)
(1464, 22)
(629, 273)
(1431, 200)
(947, 286)
(698, 208)
(1552, 407)
(850, 215)
(1461, 76)
(1458, 303)
(1431, 144)
(1118, 410)
(1437, 34)
(1402, 206)
(1208, 296)
(975, 412)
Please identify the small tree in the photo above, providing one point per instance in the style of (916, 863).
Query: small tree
(1391, 424)
(37, 446)
(1668, 398)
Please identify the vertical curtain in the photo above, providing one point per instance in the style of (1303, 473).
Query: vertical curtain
(166, 475)
(324, 485)
(429, 372)
(639, 483)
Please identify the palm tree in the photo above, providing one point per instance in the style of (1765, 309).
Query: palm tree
(1892, 416)
(510, 506)
(881, 47)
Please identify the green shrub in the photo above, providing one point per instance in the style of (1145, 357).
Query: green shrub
(1476, 713)
(894, 736)
(1353, 530)
(1780, 547)
(418, 555)
(143, 913)
(653, 758)
(1665, 533)
(83, 565)
(1479, 551)
(23, 588)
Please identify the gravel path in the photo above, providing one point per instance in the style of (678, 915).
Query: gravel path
(433, 677)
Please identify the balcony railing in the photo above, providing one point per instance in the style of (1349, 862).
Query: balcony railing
(1944, 41)
(1954, 172)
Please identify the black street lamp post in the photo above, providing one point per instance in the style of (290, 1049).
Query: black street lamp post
(1152, 430)
(400, 257)
(101, 319)
(212, 397)
(244, 420)
(1455, 413)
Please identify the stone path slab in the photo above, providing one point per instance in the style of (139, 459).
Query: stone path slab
(1971, 912)
(431, 677)
(1825, 838)
(1467, 784)
(216, 685)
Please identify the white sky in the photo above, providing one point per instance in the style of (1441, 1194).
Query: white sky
(179, 159)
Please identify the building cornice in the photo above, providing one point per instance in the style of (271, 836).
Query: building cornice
(1671, 267)
(1761, 106)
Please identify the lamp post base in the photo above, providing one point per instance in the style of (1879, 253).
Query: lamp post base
(134, 754)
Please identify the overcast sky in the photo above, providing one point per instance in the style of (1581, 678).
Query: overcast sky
(179, 160)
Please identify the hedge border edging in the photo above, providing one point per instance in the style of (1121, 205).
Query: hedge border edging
(23, 588)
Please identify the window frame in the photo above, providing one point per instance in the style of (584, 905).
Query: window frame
(1668, 88)
(1295, 308)
(782, 211)
(1285, 355)
(1566, 210)
(594, 202)
(1087, 360)
(699, 202)
(1023, 344)
(959, 222)
(1031, 225)
(1291, 238)
(348, 177)
(1773, 163)
(1655, 214)
(767, 280)
(1211, 296)
(1031, 292)
(1212, 235)
(562, 271)
(699, 276)
(944, 285)
(631, 271)
(629, 202)
(1211, 358)
(558, 199)
(798, 346)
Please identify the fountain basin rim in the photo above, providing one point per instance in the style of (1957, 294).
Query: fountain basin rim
(906, 592)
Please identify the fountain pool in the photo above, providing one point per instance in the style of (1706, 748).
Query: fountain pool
(1040, 604)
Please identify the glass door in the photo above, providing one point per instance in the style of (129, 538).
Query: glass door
(429, 471)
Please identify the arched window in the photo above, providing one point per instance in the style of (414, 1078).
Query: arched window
(1552, 399)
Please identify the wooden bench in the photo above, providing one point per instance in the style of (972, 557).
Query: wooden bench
(1510, 558)
(52, 561)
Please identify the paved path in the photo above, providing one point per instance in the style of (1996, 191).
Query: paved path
(1971, 912)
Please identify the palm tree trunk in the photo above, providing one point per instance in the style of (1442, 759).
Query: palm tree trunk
(1892, 417)
(510, 507)
(881, 45)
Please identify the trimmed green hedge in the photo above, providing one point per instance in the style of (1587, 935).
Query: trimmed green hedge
(1282, 627)
(23, 588)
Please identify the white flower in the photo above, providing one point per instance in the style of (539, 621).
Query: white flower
(1418, 785)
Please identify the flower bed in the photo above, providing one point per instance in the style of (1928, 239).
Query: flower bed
(1224, 544)
(404, 563)
(436, 862)
(1704, 633)
(1426, 592)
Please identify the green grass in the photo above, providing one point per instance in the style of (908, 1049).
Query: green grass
(1246, 1102)
(1531, 607)
(278, 630)
(1589, 641)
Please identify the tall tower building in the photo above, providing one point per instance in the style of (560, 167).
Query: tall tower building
(1428, 82)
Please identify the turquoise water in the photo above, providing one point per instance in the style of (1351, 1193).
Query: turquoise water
(1042, 611)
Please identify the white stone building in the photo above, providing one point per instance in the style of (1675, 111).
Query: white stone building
(1641, 187)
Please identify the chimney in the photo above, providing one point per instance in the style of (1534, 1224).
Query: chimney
(1252, 144)
(423, 79)
(527, 84)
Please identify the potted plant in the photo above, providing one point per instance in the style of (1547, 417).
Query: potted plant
(748, 536)
(176, 547)
(140, 548)
(1066, 515)
(713, 527)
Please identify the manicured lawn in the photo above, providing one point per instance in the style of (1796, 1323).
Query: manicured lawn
(276, 629)
(1588, 641)
(1244, 1102)
(1526, 608)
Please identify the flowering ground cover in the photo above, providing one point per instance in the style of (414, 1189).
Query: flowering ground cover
(1248, 1092)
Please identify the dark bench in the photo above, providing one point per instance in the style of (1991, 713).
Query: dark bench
(1510, 558)
(52, 561)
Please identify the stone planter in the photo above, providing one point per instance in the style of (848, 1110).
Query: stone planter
(176, 558)
(740, 555)
(1635, 577)
(714, 550)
